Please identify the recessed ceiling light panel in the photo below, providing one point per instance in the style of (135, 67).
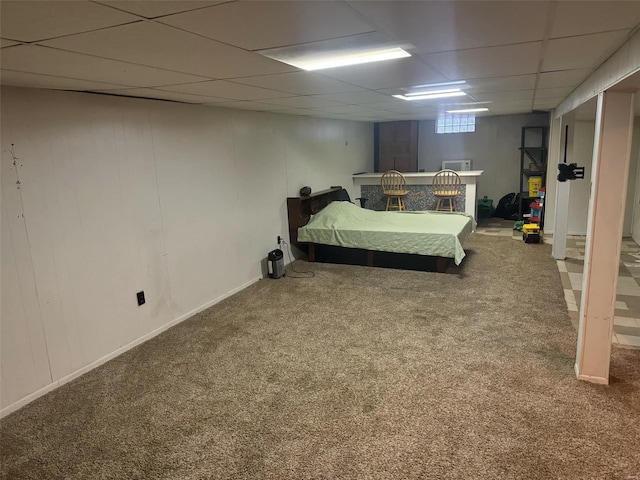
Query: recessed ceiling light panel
(431, 91)
(338, 52)
(469, 110)
(429, 96)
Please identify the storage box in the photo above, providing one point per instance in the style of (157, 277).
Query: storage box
(534, 185)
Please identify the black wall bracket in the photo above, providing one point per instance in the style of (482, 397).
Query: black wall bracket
(570, 171)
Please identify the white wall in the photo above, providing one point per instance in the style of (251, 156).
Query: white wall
(580, 151)
(633, 190)
(493, 147)
(118, 195)
(632, 184)
(582, 154)
(580, 189)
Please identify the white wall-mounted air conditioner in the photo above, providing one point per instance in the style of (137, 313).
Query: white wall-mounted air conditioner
(457, 165)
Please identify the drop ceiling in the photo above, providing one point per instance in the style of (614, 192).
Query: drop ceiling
(515, 57)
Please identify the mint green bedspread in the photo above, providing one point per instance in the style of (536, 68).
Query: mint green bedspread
(343, 224)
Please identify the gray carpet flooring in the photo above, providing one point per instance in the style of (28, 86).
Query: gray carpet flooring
(356, 373)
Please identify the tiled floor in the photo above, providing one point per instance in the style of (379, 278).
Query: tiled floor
(626, 323)
(626, 328)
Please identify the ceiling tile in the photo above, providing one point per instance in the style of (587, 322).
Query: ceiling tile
(405, 72)
(500, 61)
(392, 105)
(510, 111)
(33, 80)
(298, 83)
(7, 43)
(149, 43)
(260, 25)
(348, 109)
(500, 84)
(402, 106)
(511, 107)
(247, 105)
(526, 95)
(300, 102)
(49, 61)
(585, 51)
(547, 102)
(162, 95)
(37, 20)
(358, 97)
(562, 92)
(296, 111)
(335, 116)
(155, 8)
(511, 103)
(443, 26)
(579, 18)
(562, 78)
(228, 90)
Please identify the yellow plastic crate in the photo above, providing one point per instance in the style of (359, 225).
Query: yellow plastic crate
(534, 185)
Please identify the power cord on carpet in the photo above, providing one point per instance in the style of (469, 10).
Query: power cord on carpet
(308, 274)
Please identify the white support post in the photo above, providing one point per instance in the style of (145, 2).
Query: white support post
(559, 247)
(610, 171)
(563, 189)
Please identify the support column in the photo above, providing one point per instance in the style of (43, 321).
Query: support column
(611, 154)
(563, 189)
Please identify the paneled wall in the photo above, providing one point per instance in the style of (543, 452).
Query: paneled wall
(105, 196)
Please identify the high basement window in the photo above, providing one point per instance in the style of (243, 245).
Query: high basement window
(454, 123)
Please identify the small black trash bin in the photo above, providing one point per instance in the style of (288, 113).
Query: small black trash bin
(275, 263)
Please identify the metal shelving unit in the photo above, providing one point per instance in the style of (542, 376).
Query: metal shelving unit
(533, 162)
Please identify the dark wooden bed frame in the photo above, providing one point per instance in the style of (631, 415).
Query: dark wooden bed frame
(300, 210)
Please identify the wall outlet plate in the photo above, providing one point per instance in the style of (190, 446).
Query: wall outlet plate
(141, 300)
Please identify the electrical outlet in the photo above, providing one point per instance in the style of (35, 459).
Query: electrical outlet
(141, 300)
(279, 240)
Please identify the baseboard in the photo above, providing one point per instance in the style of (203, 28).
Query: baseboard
(217, 300)
(28, 399)
(588, 378)
(72, 376)
(582, 234)
(571, 234)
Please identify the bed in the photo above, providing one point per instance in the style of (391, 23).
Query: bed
(341, 232)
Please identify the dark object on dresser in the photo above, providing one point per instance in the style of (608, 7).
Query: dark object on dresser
(305, 191)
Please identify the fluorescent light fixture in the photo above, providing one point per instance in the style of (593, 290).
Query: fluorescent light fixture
(429, 95)
(469, 110)
(338, 52)
(432, 85)
(350, 59)
(432, 92)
